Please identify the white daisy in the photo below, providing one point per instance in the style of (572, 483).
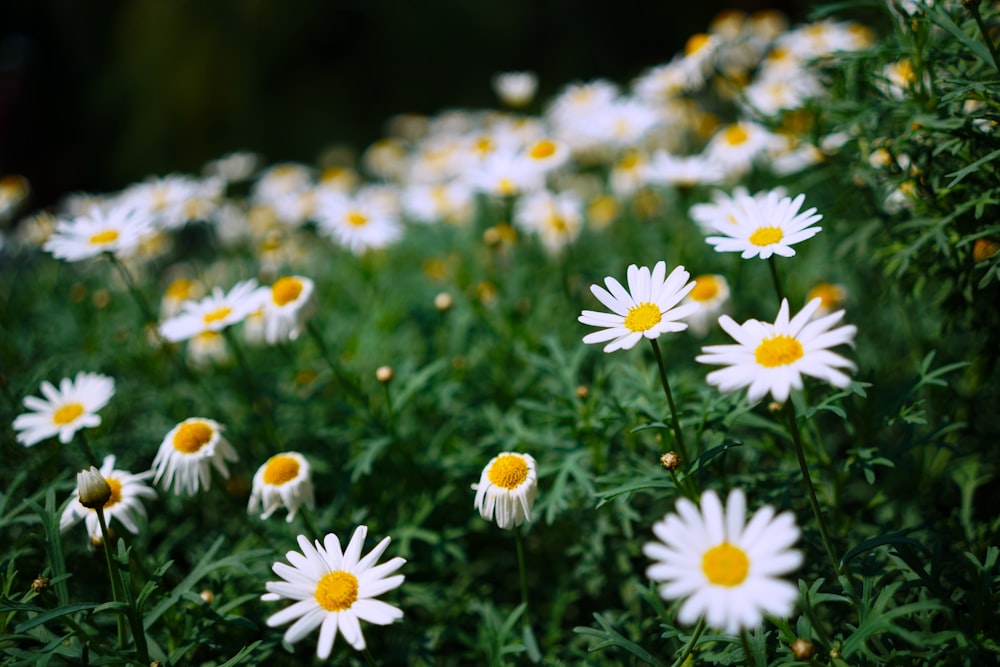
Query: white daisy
(711, 293)
(364, 221)
(507, 489)
(285, 480)
(124, 504)
(762, 226)
(187, 454)
(287, 304)
(515, 89)
(557, 218)
(214, 312)
(648, 309)
(65, 410)
(116, 229)
(334, 590)
(736, 147)
(724, 568)
(773, 357)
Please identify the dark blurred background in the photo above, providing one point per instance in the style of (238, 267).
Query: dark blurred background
(95, 95)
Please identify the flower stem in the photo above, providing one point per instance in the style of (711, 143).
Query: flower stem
(91, 455)
(522, 571)
(310, 522)
(334, 366)
(147, 313)
(774, 278)
(369, 658)
(249, 386)
(793, 428)
(973, 7)
(686, 485)
(692, 642)
(121, 594)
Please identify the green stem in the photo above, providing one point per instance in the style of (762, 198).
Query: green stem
(691, 643)
(310, 522)
(369, 658)
(793, 427)
(522, 571)
(112, 573)
(774, 278)
(973, 7)
(147, 313)
(345, 381)
(249, 386)
(91, 454)
(686, 484)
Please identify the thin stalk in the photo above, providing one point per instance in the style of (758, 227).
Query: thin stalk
(352, 388)
(793, 428)
(112, 574)
(147, 313)
(310, 522)
(674, 419)
(249, 386)
(691, 644)
(774, 278)
(522, 571)
(369, 658)
(973, 7)
(91, 454)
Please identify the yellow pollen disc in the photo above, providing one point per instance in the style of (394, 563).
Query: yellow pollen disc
(180, 289)
(67, 414)
(357, 219)
(542, 150)
(735, 135)
(705, 288)
(216, 315)
(904, 69)
(107, 236)
(832, 295)
(558, 223)
(725, 565)
(778, 351)
(483, 146)
(643, 317)
(508, 471)
(766, 236)
(629, 162)
(506, 187)
(192, 436)
(280, 469)
(116, 491)
(337, 591)
(695, 43)
(285, 290)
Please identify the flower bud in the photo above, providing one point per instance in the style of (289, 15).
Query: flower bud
(802, 649)
(670, 461)
(94, 490)
(384, 374)
(444, 301)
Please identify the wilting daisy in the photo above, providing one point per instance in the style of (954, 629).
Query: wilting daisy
(65, 410)
(724, 568)
(113, 228)
(287, 304)
(648, 309)
(334, 590)
(187, 454)
(285, 480)
(774, 357)
(506, 489)
(762, 226)
(123, 505)
(215, 312)
(711, 293)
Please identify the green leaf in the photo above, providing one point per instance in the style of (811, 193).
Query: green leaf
(940, 16)
(880, 541)
(608, 636)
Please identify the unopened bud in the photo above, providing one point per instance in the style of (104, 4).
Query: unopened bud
(94, 490)
(444, 301)
(582, 391)
(774, 406)
(983, 249)
(384, 374)
(802, 649)
(670, 461)
(40, 584)
(207, 595)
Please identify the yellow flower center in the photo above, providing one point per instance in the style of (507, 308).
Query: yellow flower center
(506, 187)
(216, 315)
(629, 162)
(116, 491)
(725, 565)
(285, 290)
(705, 288)
(830, 294)
(643, 317)
(766, 236)
(180, 289)
(695, 43)
(192, 436)
(508, 471)
(337, 590)
(735, 135)
(357, 219)
(67, 414)
(107, 236)
(542, 150)
(280, 469)
(558, 223)
(778, 351)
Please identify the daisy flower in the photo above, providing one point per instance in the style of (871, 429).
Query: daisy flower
(65, 410)
(765, 226)
(557, 218)
(773, 357)
(507, 489)
(515, 89)
(124, 503)
(187, 454)
(285, 480)
(724, 568)
(334, 590)
(214, 312)
(116, 229)
(648, 309)
(366, 220)
(287, 304)
(711, 293)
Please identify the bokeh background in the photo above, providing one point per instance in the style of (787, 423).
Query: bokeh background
(95, 95)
